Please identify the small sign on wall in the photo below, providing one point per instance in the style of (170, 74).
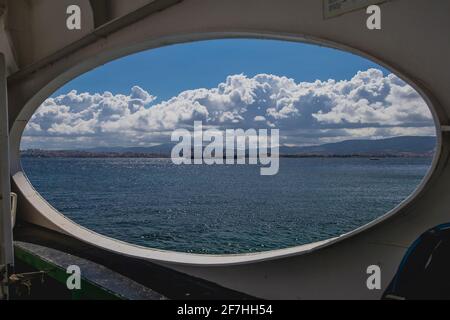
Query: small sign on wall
(334, 8)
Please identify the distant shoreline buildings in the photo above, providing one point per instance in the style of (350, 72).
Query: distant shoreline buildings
(397, 147)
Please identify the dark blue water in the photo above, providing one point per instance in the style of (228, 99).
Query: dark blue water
(224, 209)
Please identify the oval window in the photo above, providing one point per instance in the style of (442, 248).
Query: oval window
(230, 146)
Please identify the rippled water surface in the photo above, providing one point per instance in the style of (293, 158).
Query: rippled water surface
(224, 209)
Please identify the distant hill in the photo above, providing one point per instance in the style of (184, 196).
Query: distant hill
(392, 146)
(398, 146)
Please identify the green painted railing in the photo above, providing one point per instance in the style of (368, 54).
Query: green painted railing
(89, 290)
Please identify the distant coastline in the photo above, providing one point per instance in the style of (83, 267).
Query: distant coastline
(397, 147)
(38, 153)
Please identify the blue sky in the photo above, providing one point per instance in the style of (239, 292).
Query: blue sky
(166, 71)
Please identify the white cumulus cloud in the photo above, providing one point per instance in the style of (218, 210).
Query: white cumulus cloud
(370, 105)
